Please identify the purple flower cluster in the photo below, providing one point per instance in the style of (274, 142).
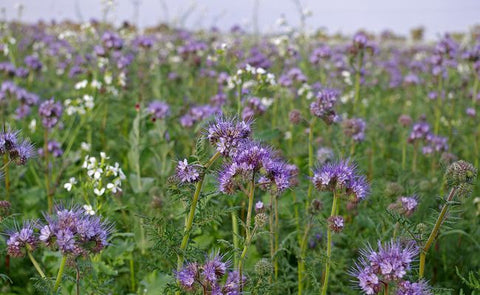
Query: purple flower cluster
(323, 106)
(187, 173)
(22, 240)
(111, 40)
(33, 63)
(354, 128)
(50, 111)
(209, 276)
(388, 265)
(405, 205)
(252, 159)
(75, 232)
(18, 150)
(54, 148)
(197, 114)
(25, 98)
(11, 71)
(341, 176)
(226, 134)
(254, 107)
(432, 143)
(435, 143)
(158, 110)
(419, 132)
(336, 223)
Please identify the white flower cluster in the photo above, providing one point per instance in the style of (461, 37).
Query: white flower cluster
(102, 176)
(305, 90)
(79, 105)
(251, 76)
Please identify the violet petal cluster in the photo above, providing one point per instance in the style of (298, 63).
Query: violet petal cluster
(387, 265)
(209, 276)
(226, 134)
(323, 106)
(50, 111)
(18, 150)
(341, 176)
(75, 232)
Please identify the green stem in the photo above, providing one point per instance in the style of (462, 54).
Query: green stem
(191, 214)
(301, 261)
(47, 171)
(132, 273)
(275, 264)
(357, 81)
(36, 265)
(434, 233)
(6, 163)
(235, 237)
(248, 222)
(329, 245)
(438, 105)
(60, 273)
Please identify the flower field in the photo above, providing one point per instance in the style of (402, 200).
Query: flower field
(168, 161)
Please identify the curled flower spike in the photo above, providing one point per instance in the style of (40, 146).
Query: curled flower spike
(388, 264)
(22, 240)
(75, 231)
(226, 134)
(323, 106)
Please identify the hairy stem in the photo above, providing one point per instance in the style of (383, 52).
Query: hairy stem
(329, 245)
(60, 273)
(433, 234)
(36, 265)
(191, 214)
(248, 233)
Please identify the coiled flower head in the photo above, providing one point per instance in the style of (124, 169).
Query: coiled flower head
(226, 134)
(460, 173)
(22, 240)
(50, 111)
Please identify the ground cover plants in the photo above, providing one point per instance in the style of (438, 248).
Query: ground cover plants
(168, 161)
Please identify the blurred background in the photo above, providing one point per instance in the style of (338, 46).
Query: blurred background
(265, 16)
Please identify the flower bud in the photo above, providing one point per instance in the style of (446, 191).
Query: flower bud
(460, 173)
(260, 220)
(295, 117)
(316, 206)
(336, 223)
(263, 268)
(259, 207)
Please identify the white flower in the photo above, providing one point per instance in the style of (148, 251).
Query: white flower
(32, 126)
(104, 156)
(85, 146)
(96, 84)
(68, 186)
(99, 192)
(95, 173)
(114, 187)
(88, 210)
(81, 84)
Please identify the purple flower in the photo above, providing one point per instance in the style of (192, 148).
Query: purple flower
(323, 106)
(234, 283)
(158, 109)
(33, 63)
(341, 176)
(214, 269)
(389, 263)
(22, 240)
(187, 275)
(253, 108)
(226, 134)
(111, 40)
(409, 204)
(187, 173)
(419, 131)
(336, 223)
(50, 111)
(54, 148)
(74, 232)
(354, 128)
(409, 288)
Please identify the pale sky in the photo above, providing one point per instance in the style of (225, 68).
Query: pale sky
(347, 16)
